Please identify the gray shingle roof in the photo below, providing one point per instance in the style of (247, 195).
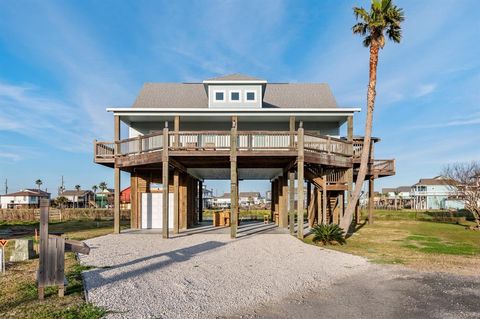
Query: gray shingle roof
(235, 77)
(194, 95)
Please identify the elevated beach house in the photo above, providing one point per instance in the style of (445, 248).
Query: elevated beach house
(235, 127)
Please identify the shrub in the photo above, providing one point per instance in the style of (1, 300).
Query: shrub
(327, 234)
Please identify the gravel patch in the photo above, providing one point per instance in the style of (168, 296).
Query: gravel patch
(206, 275)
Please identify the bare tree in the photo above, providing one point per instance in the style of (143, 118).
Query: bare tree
(464, 181)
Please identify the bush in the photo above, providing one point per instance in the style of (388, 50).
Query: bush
(327, 234)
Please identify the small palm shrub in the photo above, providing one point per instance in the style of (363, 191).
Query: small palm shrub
(327, 234)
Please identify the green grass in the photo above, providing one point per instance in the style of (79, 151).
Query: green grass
(428, 245)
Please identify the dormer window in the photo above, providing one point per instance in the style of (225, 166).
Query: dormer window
(250, 96)
(235, 96)
(219, 96)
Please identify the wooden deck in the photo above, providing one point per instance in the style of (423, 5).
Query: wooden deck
(258, 147)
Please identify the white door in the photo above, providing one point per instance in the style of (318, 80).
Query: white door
(152, 204)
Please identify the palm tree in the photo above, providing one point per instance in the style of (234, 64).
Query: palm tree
(38, 182)
(384, 19)
(103, 187)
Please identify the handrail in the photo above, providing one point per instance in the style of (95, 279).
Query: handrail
(214, 140)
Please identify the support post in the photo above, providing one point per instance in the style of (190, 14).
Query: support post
(300, 162)
(284, 216)
(370, 199)
(276, 201)
(200, 201)
(116, 177)
(324, 200)
(165, 182)
(292, 131)
(291, 208)
(176, 129)
(272, 199)
(281, 202)
(233, 179)
(309, 193)
(176, 201)
(349, 172)
(319, 206)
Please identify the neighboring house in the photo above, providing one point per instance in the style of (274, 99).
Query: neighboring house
(79, 199)
(399, 197)
(125, 199)
(104, 199)
(207, 197)
(234, 127)
(434, 193)
(223, 201)
(247, 199)
(26, 198)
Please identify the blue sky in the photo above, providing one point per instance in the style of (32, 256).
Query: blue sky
(63, 62)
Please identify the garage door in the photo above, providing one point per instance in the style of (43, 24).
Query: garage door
(152, 204)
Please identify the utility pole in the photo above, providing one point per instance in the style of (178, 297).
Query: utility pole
(6, 186)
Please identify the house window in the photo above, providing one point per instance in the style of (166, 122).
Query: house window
(235, 96)
(250, 96)
(219, 96)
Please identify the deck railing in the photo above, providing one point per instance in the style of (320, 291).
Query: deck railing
(327, 144)
(384, 166)
(220, 141)
(104, 150)
(264, 140)
(200, 140)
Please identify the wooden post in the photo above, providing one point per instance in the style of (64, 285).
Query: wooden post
(300, 162)
(233, 179)
(324, 200)
(291, 208)
(311, 209)
(319, 206)
(200, 201)
(349, 172)
(370, 200)
(309, 193)
(272, 200)
(284, 215)
(292, 131)
(176, 128)
(116, 177)
(133, 201)
(275, 192)
(42, 266)
(165, 182)
(176, 201)
(341, 207)
(281, 202)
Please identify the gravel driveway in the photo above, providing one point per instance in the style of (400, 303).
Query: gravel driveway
(206, 275)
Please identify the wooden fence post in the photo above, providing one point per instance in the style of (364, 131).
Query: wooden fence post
(42, 265)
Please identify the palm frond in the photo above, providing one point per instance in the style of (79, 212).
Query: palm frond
(360, 28)
(361, 13)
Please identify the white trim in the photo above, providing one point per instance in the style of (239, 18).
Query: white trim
(255, 96)
(215, 96)
(208, 110)
(239, 96)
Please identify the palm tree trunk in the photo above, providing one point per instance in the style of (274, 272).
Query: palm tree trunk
(362, 172)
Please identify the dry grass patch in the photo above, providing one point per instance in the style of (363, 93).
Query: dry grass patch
(423, 245)
(18, 297)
